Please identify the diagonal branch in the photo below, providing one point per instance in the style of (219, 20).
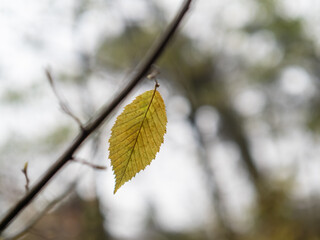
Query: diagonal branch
(100, 117)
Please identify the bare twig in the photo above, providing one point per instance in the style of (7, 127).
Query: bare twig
(100, 117)
(84, 162)
(63, 104)
(25, 173)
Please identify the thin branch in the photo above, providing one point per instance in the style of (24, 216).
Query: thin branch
(100, 117)
(84, 162)
(63, 104)
(25, 173)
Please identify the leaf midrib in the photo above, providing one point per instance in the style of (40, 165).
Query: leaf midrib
(135, 143)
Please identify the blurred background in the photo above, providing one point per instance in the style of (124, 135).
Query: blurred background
(241, 84)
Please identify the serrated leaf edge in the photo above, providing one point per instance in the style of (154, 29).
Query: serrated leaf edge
(136, 140)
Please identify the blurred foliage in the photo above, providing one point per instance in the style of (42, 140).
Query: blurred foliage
(13, 96)
(75, 220)
(51, 140)
(214, 77)
(117, 53)
(57, 137)
(18, 96)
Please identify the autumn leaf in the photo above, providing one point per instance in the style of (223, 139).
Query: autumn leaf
(137, 136)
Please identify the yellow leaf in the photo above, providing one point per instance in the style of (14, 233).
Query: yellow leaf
(137, 136)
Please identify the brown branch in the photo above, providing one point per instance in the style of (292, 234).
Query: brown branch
(25, 173)
(100, 117)
(64, 106)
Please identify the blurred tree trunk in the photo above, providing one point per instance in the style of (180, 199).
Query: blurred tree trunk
(76, 219)
(222, 227)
